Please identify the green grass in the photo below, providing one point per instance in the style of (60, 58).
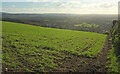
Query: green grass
(114, 56)
(87, 25)
(113, 62)
(32, 48)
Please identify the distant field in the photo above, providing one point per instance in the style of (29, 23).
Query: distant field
(32, 48)
(87, 25)
(98, 23)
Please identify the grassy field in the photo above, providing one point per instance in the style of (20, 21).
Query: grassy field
(87, 25)
(32, 48)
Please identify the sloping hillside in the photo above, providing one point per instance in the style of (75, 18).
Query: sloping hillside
(32, 48)
(114, 53)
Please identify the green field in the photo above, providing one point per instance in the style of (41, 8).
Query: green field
(32, 48)
(87, 25)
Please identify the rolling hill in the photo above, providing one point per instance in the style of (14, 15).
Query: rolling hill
(33, 48)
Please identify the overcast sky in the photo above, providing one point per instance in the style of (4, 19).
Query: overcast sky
(61, 6)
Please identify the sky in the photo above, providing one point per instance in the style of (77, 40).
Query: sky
(61, 6)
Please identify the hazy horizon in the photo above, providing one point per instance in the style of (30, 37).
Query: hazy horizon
(55, 13)
(68, 7)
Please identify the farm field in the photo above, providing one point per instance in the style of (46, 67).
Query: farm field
(32, 48)
(87, 25)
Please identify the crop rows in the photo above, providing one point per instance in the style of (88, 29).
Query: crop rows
(33, 48)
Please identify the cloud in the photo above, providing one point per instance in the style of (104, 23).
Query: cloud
(43, 0)
(68, 7)
(108, 5)
(13, 6)
(92, 1)
(35, 0)
(69, 4)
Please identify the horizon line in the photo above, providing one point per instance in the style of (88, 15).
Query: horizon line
(51, 13)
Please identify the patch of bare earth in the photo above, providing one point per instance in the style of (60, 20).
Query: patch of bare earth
(85, 64)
